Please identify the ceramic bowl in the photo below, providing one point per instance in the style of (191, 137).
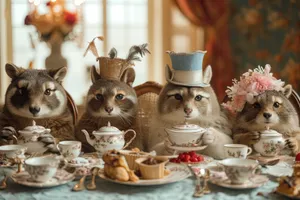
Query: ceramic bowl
(186, 135)
(156, 171)
(239, 170)
(41, 169)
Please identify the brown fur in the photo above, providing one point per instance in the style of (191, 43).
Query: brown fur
(284, 119)
(96, 114)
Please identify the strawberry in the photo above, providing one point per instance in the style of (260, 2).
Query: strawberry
(298, 157)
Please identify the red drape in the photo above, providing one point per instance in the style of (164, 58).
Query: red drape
(213, 16)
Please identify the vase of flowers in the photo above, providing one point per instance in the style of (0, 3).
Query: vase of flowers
(53, 27)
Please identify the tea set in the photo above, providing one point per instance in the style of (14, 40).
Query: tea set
(235, 172)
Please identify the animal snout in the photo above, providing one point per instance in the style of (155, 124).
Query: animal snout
(34, 110)
(188, 110)
(109, 109)
(267, 115)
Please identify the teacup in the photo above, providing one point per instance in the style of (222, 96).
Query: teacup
(42, 169)
(239, 170)
(69, 149)
(11, 152)
(237, 150)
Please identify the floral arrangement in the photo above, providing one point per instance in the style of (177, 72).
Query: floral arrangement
(58, 20)
(251, 84)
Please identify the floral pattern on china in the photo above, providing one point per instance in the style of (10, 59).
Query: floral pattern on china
(237, 154)
(29, 138)
(270, 144)
(185, 135)
(108, 138)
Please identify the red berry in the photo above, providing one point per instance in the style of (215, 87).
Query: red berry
(187, 157)
(194, 160)
(178, 161)
(181, 156)
(192, 153)
(173, 160)
(200, 158)
(298, 157)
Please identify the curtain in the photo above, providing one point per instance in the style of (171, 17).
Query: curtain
(213, 15)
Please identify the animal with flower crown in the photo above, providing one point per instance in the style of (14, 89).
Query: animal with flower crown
(111, 97)
(189, 96)
(259, 100)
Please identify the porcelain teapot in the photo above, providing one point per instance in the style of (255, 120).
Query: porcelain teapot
(270, 144)
(108, 138)
(29, 138)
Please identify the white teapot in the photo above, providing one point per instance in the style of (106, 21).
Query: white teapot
(29, 138)
(108, 138)
(270, 144)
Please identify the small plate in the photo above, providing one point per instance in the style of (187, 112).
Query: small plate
(254, 182)
(177, 173)
(179, 148)
(61, 177)
(79, 162)
(281, 169)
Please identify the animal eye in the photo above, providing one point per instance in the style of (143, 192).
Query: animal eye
(256, 105)
(119, 96)
(198, 98)
(178, 97)
(47, 92)
(276, 105)
(99, 97)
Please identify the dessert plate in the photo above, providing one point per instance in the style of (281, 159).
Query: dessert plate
(61, 177)
(177, 173)
(179, 148)
(254, 182)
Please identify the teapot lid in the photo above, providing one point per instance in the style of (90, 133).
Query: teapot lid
(270, 132)
(185, 126)
(34, 127)
(108, 128)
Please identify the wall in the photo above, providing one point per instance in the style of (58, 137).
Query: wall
(264, 32)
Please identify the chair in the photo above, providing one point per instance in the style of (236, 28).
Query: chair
(147, 94)
(72, 107)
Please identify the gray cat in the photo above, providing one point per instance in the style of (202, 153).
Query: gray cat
(36, 95)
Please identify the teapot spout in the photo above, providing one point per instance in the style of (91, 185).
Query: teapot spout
(88, 138)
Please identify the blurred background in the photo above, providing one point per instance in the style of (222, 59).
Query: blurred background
(238, 35)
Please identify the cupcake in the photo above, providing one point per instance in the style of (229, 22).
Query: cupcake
(152, 168)
(132, 155)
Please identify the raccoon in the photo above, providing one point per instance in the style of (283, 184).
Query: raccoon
(36, 95)
(113, 101)
(198, 105)
(270, 109)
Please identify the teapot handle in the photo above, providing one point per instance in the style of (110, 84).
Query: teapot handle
(15, 139)
(130, 141)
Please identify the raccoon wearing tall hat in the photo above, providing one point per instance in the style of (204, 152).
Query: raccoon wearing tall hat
(259, 101)
(188, 97)
(36, 95)
(111, 97)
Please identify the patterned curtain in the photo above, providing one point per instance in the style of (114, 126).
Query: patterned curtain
(213, 16)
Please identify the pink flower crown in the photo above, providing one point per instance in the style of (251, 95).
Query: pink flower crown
(251, 84)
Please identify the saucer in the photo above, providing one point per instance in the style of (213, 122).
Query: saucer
(254, 182)
(61, 177)
(79, 162)
(180, 148)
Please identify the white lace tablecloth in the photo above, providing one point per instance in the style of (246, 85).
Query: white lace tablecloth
(112, 191)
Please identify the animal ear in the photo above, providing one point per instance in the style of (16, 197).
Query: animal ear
(287, 90)
(207, 75)
(58, 74)
(128, 76)
(94, 74)
(12, 70)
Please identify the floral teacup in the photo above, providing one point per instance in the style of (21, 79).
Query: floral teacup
(42, 169)
(239, 170)
(237, 150)
(9, 153)
(69, 149)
